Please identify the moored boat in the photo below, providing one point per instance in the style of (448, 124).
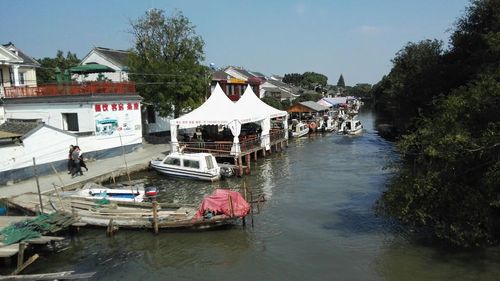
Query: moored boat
(299, 129)
(93, 191)
(200, 166)
(351, 126)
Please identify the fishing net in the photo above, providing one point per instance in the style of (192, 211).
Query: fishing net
(34, 228)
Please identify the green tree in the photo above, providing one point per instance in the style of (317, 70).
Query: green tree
(415, 78)
(448, 180)
(47, 71)
(308, 97)
(293, 79)
(341, 82)
(165, 62)
(313, 80)
(272, 102)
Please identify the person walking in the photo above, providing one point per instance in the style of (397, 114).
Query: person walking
(70, 159)
(77, 169)
(80, 157)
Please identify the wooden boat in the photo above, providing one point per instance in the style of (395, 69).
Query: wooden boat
(201, 166)
(222, 207)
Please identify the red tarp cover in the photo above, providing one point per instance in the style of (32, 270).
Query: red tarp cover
(219, 203)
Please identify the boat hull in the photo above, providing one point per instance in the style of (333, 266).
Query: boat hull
(177, 172)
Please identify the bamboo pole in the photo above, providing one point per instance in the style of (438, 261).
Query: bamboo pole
(126, 166)
(155, 217)
(24, 265)
(37, 185)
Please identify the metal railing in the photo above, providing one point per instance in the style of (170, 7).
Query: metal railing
(223, 148)
(69, 89)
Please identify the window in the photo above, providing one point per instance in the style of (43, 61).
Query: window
(210, 164)
(173, 161)
(191, 164)
(21, 78)
(70, 122)
(1, 77)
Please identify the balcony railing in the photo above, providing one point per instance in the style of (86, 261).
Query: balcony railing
(72, 89)
(248, 143)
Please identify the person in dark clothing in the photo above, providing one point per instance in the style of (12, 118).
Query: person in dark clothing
(80, 157)
(70, 159)
(77, 169)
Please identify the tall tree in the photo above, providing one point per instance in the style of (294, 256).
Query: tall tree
(48, 66)
(166, 62)
(448, 180)
(293, 78)
(341, 82)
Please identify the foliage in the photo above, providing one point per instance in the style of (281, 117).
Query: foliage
(362, 90)
(447, 103)
(47, 71)
(412, 83)
(340, 82)
(293, 79)
(308, 80)
(165, 62)
(272, 102)
(308, 97)
(448, 181)
(312, 80)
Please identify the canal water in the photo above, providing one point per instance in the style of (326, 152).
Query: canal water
(317, 224)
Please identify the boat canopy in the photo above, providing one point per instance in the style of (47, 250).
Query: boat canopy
(223, 201)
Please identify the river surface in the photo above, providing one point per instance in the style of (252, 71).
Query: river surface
(317, 224)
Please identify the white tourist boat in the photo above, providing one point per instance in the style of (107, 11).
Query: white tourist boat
(328, 123)
(299, 129)
(201, 166)
(351, 127)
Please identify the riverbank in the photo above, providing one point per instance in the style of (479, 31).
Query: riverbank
(99, 170)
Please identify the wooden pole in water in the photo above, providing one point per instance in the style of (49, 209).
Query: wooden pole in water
(125, 159)
(37, 185)
(251, 206)
(155, 217)
(230, 205)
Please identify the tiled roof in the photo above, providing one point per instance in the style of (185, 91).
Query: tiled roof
(27, 60)
(314, 105)
(119, 57)
(18, 128)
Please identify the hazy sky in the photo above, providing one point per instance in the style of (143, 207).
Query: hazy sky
(357, 38)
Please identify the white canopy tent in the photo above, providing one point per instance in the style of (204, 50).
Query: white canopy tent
(218, 109)
(250, 101)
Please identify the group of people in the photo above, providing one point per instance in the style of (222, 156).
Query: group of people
(75, 161)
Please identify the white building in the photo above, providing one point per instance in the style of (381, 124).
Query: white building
(99, 120)
(17, 72)
(117, 60)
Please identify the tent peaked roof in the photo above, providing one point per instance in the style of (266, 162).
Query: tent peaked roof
(218, 109)
(250, 101)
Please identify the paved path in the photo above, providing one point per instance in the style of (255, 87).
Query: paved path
(99, 170)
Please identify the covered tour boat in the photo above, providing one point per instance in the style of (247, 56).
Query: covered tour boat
(200, 166)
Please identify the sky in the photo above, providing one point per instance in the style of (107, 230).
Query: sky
(355, 38)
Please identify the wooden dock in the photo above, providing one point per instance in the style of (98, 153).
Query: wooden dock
(250, 147)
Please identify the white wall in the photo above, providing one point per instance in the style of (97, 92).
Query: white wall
(51, 113)
(162, 124)
(118, 76)
(36, 145)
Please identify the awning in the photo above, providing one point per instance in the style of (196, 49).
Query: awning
(91, 68)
